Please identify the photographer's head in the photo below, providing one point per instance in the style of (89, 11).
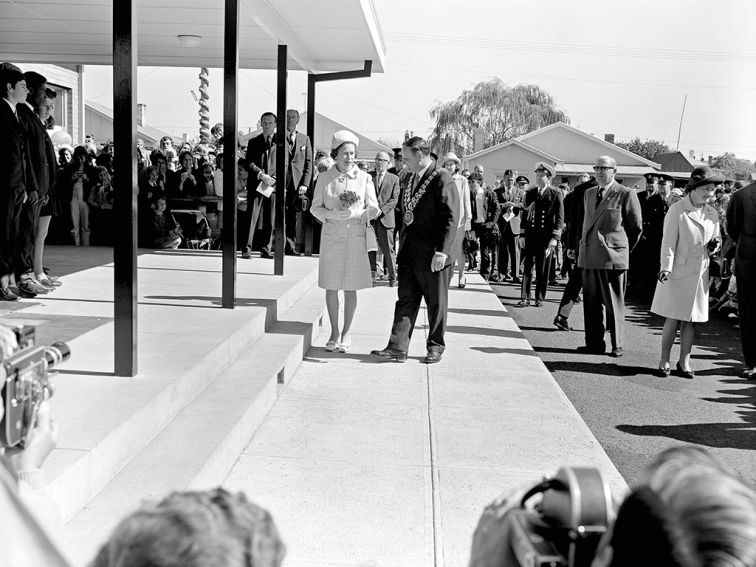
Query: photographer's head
(690, 512)
(194, 529)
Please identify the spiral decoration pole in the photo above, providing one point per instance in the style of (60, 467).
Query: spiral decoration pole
(204, 110)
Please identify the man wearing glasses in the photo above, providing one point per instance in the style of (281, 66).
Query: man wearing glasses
(611, 228)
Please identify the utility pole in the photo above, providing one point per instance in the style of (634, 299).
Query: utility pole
(679, 131)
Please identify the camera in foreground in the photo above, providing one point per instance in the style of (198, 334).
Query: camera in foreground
(25, 384)
(565, 528)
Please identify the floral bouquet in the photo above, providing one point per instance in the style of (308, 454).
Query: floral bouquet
(348, 198)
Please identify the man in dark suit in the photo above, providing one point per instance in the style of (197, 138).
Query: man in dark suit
(741, 226)
(485, 210)
(430, 211)
(298, 176)
(611, 228)
(387, 191)
(574, 215)
(510, 198)
(44, 174)
(17, 182)
(261, 158)
(540, 232)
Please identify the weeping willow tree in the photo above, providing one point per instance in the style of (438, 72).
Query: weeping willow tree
(502, 112)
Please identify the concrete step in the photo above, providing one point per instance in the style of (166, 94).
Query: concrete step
(200, 445)
(106, 420)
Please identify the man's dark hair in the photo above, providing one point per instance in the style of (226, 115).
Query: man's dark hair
(264, 114)
(11, 77)
(51, 94)
(509, 172)
(417, 144)
(34, 80)
(476, 176)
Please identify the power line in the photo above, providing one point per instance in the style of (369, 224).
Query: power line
(569, 48)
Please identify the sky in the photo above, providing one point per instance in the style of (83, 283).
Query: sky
(619, 67)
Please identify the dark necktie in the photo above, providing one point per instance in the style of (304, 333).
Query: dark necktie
(266, 155)
(599, 196)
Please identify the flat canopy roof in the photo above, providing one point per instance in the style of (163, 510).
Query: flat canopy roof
(335, 35)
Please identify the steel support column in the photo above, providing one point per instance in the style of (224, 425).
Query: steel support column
(125, 186)
(230, 71)
(280, 239)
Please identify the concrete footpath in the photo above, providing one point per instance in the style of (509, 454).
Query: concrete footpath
(371, 463)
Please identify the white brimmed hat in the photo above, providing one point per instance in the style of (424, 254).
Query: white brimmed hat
(451, 156)
(342, 137)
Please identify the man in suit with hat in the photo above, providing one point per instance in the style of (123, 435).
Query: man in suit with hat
(741, 226)
(510, 197)
(611, 228)
(430, 211)
(387, 191)
(540, 232)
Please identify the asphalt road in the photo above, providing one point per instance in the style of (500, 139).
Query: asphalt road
(635, 414)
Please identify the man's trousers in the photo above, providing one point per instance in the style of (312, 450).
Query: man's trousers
(604, 293)
(535, 255)
(414, 286)
(747, 319)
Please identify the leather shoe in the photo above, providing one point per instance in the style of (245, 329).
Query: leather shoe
(749, 373)
(392, 283)
(538, 303)
(7, 295)
(265, 253)
(515, 279)
(523, 303)
(617, 352)
(561, 323)
(390, 353)
(431, 357)
(590, 350)
(246, 253)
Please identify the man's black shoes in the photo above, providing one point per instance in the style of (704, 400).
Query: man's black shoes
(390, 354)
(617, 352)
(431, 357)
(561, 323)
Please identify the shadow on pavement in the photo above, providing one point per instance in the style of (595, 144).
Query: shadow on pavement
(497, 350)
(468, 330)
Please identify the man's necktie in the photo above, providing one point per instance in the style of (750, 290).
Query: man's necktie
(599, 196)
(379, 180)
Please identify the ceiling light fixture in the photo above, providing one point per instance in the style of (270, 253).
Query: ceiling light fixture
(189, 40)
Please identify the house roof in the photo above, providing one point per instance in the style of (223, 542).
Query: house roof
(613, 147)
(146, 131)
(324, 129)
(523, 140)
(514, 142)
(668, 157)
(337, 37)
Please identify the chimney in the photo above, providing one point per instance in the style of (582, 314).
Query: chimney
(692, 154)
(406, 135)
(141, 114)
(609, 138)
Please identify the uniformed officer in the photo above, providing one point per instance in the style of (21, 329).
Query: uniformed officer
(510, 197)
(641, 275)
(541, 229)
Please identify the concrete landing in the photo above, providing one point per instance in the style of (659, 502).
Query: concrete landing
(371, 463)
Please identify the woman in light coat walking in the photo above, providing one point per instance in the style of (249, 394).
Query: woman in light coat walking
(345, 202)
(691, 233)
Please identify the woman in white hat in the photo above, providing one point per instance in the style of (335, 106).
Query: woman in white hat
(345, 202)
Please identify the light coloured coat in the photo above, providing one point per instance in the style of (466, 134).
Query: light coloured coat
(684, 254)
